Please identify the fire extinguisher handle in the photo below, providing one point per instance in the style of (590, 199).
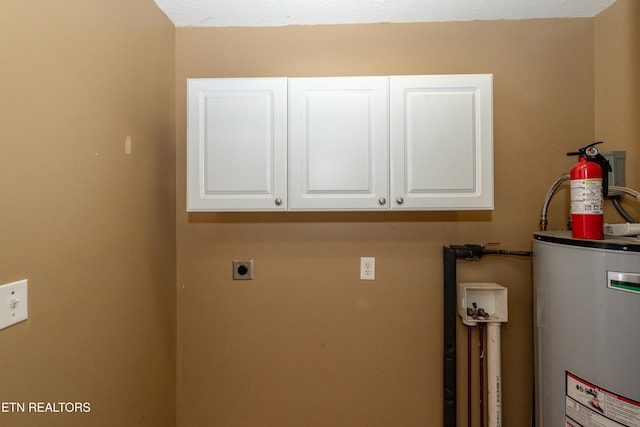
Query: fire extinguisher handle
(583, 151)
(606, 168)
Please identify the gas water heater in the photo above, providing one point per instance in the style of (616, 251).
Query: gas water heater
(587, 330)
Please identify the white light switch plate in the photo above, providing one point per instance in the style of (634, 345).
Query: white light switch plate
(13, 303)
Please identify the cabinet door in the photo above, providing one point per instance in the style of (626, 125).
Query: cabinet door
(338, 143)
(441, 142)
(237, 144)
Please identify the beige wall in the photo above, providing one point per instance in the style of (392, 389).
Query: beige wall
(308, 343)
(617, 87)
(92, 228)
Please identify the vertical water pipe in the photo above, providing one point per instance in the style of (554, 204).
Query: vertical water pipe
(494, 376)
(481, 371)
(450, 256)
(449, 356)
(469, 382)
(449, 392)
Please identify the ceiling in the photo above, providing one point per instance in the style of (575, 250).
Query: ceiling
(259, 13)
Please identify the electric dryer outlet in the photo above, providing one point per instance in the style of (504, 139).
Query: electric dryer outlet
(243, 269)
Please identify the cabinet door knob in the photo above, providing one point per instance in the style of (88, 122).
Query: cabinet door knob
(278, 201)
(400, 200)
(382, 200)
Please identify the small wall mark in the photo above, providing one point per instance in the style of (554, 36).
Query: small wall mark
(127, 145)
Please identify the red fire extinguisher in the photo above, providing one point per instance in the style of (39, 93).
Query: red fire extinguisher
(589, 186)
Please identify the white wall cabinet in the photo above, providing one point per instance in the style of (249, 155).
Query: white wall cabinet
(237, 144)
(340, 143)
(441, 142)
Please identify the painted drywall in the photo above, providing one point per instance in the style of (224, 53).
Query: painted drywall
(91, 226)
(617, 90)
(306, 342)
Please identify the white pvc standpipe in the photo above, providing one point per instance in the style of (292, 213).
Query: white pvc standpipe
(494, 377)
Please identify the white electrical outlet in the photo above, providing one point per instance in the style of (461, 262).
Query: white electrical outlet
(13, 303)
(367, 268)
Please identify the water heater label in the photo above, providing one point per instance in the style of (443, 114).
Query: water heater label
(628, 282)
(588, 405)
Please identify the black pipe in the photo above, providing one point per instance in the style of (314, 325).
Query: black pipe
(449, 380)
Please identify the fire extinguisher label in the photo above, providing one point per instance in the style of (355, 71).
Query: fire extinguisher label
(586, 196)
(588, 405)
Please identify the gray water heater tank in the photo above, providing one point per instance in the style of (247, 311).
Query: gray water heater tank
(587, 331)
